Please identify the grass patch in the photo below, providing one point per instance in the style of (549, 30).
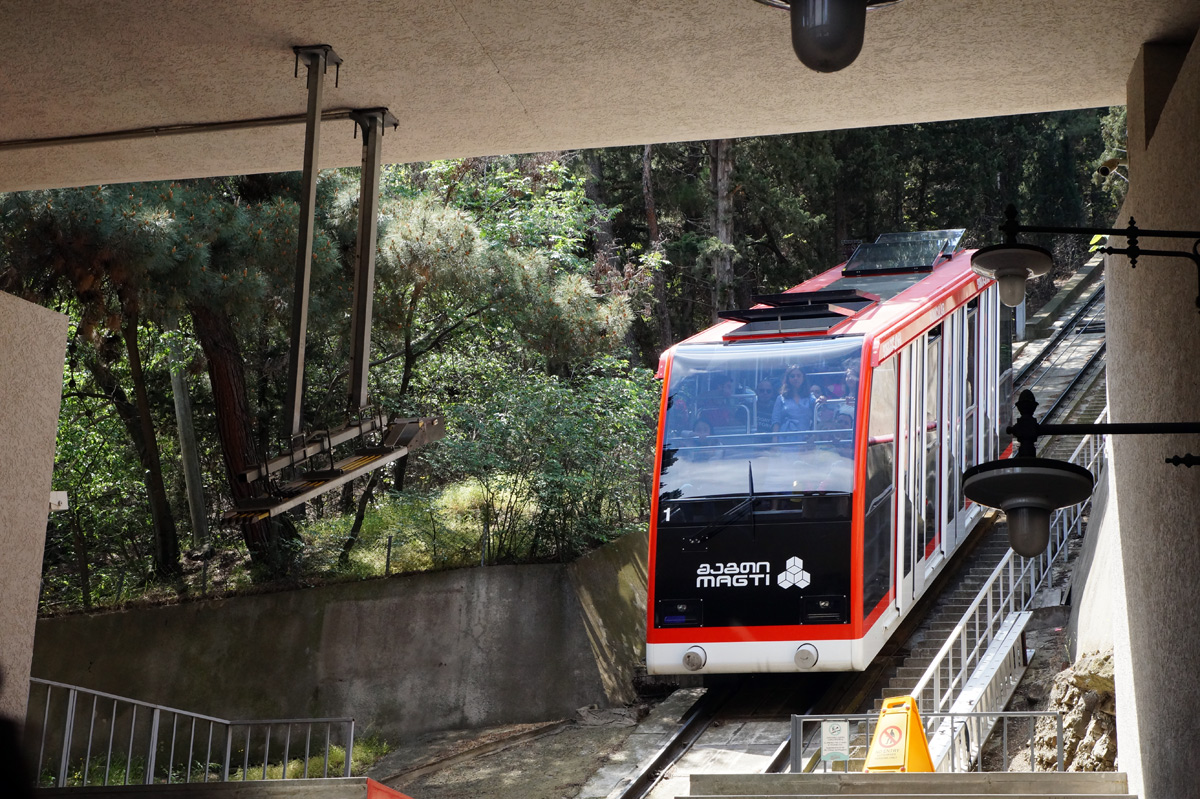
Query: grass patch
(367, 752)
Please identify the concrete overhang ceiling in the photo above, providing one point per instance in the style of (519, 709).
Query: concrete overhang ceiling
(479, 77)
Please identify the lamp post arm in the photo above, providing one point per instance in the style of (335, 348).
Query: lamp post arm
(1027, 429)
(1012, 227)
(1131, 231)
(1116, 428)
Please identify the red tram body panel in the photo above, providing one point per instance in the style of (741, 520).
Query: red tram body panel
(808, 461)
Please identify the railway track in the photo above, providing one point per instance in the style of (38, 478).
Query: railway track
(742, 725)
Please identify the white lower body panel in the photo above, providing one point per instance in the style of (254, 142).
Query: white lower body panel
(747, 657)
(744, 657)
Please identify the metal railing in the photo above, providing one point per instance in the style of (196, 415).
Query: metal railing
(94, 738)
(1011, 588)
(809, 758)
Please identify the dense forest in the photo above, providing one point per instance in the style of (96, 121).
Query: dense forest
(524, 298)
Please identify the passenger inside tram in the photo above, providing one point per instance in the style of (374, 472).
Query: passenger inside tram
(785, 434)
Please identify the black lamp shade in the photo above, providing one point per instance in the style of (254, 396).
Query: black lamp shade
(1027, 490)
(827, 35)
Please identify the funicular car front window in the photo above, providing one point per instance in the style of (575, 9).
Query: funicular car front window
(761, 419)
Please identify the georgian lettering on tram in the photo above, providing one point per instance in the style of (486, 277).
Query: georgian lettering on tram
(733, 575)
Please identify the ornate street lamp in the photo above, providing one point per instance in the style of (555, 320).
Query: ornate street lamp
(1010, 264)
(1028, 488)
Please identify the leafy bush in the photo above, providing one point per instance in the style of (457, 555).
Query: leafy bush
(559, 465)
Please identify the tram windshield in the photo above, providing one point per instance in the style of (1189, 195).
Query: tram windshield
(757, 419)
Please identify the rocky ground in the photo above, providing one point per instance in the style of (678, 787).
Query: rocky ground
(531, 761)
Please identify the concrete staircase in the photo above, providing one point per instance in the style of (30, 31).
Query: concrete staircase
(1108, 785)
(947, 611)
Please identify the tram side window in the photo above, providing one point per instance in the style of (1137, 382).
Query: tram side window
(880, 486)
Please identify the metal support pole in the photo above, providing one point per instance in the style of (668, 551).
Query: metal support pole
(316, 59)
(371, 123)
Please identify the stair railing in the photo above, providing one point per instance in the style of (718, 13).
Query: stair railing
(95, 738)
(1011, 587)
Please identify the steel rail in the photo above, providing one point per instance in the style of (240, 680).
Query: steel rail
(701, 715)
(1063, 331)
(1097, 356)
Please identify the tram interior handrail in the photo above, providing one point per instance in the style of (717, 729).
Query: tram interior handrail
(1011, 587)
(91, 738)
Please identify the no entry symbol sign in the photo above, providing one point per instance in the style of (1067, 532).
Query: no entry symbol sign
(891, 736)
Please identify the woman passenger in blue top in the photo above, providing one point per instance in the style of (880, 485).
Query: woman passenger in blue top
(793, 410)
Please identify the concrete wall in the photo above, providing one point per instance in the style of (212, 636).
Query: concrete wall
(406, 655)
(1153, 375)
(611, 584)
(32, 345)
(1097, 595)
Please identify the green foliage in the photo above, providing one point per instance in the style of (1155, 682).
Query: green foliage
(122, 770)
(367, 752)
(508, 292)
(559, 466)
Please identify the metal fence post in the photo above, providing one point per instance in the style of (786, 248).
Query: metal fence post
(64, 762)
(228, 752)
(152, 755)
(349, 745)
(1058, 718)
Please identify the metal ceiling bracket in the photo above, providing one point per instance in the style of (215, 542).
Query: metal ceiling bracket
(316, 58)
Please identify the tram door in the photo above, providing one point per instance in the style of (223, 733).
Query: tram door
(952, 433)
(906, 485)
(929, 545)
(921, 419)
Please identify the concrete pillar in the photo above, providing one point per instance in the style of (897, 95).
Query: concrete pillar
(1154, 376)
(32, 346)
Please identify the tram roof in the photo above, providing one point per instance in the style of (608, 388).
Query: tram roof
(478, 77)
(909, 301)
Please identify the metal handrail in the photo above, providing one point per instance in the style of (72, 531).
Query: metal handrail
(1010, 588)
(148, 740)
(809, 755)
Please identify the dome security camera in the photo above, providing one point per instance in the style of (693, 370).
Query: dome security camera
(827, 35)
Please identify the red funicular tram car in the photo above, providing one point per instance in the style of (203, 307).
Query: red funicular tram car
(809, 460)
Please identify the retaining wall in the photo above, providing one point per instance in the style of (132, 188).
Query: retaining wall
(404, 655)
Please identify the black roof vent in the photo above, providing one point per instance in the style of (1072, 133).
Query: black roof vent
(797, 313)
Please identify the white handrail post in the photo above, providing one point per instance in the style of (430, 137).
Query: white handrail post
(64, 761)
(151, 756)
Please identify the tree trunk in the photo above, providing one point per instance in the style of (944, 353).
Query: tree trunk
(359, 515)
(166, 538)
(665, 334)
(648, 197)
(81, 561)
(156, 495)
(723, 297)
(188, 452)
(592, 187)
(235, 428)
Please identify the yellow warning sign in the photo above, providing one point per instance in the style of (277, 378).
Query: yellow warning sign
(899, 743)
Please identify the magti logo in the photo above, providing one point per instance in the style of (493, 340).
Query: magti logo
(733, 575)
(793, 575)
(742, 575)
